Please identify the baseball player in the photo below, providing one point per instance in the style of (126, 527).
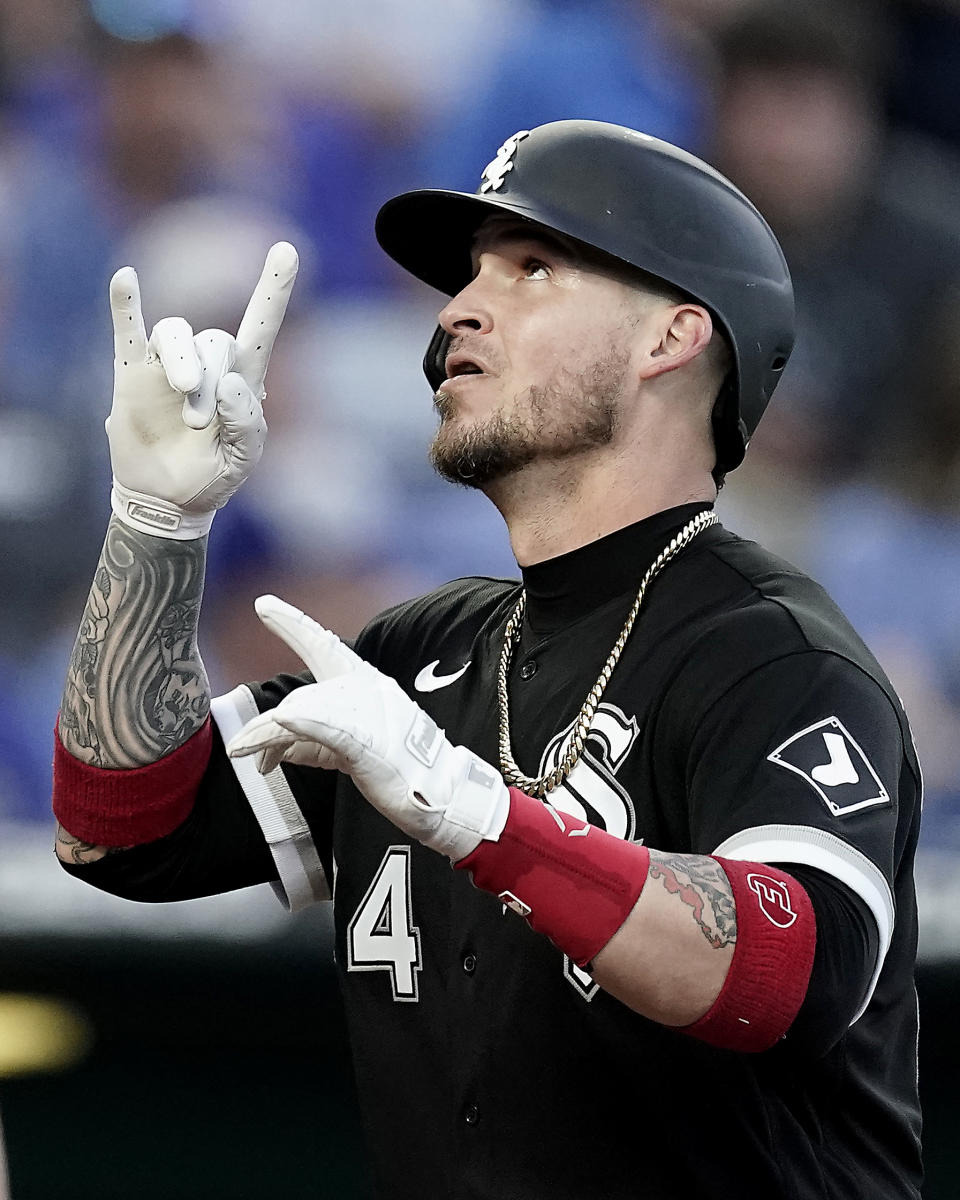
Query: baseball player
(620, 853)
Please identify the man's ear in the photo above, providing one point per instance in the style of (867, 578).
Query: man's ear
(684, 333)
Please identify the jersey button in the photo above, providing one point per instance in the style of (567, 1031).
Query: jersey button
(471, 1114)
(529, 669)
(469, 963)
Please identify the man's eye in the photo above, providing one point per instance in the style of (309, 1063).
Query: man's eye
(533, 268)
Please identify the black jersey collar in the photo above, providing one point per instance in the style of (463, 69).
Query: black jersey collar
(567, 587)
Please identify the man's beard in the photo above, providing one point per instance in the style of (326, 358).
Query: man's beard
(555, 420)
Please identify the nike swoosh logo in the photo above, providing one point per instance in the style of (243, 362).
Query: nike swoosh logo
(426, 681)
(839, 769)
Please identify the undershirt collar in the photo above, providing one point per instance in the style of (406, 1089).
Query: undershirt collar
(562, 589)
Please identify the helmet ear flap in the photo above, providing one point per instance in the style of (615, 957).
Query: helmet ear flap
(435, 359)
(730, 434)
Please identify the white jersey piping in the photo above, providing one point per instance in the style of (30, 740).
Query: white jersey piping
(302, 878)
(812, 847)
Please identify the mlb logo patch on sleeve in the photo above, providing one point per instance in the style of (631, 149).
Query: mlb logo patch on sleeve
(831, 761)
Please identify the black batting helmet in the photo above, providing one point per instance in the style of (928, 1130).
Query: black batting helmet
(639, 200)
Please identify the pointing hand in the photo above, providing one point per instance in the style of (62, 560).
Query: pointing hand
(361, 722)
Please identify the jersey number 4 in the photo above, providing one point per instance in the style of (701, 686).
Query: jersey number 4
(382, 936)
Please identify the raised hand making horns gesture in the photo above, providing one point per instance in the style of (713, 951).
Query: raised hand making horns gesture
(187, 427)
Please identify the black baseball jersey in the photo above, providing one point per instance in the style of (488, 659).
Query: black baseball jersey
(744, 719)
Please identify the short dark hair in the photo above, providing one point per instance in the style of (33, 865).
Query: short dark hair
(720, 344)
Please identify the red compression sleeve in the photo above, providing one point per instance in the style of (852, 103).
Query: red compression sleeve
(577, 884)
(128, 808)
(573, 882)
(772, 961)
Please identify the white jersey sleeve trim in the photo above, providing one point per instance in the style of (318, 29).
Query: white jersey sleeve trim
(814, 847)
(302, 878)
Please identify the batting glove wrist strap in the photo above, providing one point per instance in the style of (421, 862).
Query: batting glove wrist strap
(470, 804)
(162, 518)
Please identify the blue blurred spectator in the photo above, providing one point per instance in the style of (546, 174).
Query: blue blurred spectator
(611, 60)
(360, 88)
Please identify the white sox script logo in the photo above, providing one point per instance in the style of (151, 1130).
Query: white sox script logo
(497, 169)
(592, 793)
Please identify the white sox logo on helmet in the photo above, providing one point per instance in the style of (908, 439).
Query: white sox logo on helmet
(497, 169)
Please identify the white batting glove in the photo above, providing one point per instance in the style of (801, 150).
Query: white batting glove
(186, 427)
(361, 722)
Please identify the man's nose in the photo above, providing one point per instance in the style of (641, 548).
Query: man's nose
(468, 310)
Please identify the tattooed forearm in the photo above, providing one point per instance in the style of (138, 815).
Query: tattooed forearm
(701, 884)
(71, 849)
(136, 687)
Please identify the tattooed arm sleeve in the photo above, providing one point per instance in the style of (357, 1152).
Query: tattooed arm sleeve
(136, 688)
(717, 947)
(699, 883)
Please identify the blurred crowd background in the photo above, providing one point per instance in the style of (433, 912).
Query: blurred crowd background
(184, 137)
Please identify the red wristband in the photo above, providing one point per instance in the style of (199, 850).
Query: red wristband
(128, 808)
(772, 961)
(574, 883)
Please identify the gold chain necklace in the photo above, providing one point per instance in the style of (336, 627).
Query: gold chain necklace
(577, 738)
